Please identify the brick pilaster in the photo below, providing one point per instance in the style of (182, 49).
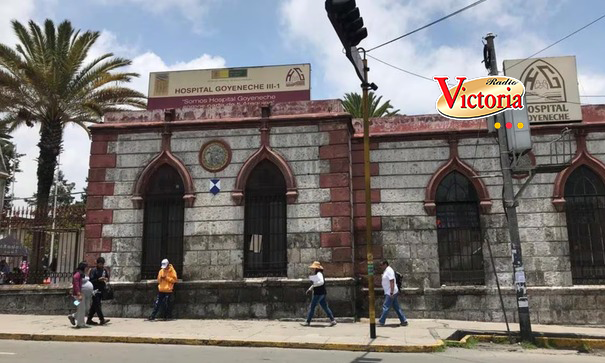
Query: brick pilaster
(338, 180)
(359, 213)
(98, 188)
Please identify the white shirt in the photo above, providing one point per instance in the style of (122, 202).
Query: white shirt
(318, 279)
(87, 285)
(387, 276)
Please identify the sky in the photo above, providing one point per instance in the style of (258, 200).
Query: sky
(197, 34)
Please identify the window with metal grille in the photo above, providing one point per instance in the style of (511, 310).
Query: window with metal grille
(265, 244)
(163, 222)
(585, 212)
(459, 232)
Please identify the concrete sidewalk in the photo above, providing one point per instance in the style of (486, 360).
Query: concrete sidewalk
(421, 335)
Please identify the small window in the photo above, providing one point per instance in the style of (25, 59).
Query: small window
(585, 212)
(459, 232)
(265, 244)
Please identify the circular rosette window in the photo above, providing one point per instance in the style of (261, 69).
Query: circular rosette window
(215, 156)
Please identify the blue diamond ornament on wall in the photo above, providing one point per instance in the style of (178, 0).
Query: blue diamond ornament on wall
(215, 186)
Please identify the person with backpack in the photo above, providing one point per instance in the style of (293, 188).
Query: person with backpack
(391, 290)
(319, 294)
(99, 277)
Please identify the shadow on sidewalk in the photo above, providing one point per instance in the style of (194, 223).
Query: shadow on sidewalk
(365, 359)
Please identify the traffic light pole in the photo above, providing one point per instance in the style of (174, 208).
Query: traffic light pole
(365, 86)
(510, 208)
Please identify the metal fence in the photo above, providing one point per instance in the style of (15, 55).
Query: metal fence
(59, 234)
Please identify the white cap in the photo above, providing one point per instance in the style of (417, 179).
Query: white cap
(164, 263)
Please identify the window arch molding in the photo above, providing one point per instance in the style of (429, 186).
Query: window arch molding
(583, 157)
(265, 152)
(454, 163)
(164, 157)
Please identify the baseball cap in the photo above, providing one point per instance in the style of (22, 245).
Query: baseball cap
(164, 263)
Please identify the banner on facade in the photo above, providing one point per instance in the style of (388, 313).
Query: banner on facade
(551, 88)
(251, 85)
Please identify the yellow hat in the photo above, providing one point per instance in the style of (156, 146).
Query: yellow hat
(316, 265)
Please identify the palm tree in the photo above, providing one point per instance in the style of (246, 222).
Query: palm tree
(352, 103)
(46, 80)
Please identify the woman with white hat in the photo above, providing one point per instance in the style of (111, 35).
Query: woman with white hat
(319, 294)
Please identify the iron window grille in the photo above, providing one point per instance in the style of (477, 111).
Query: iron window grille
(459, 239)
(585, 213)
(163, 222)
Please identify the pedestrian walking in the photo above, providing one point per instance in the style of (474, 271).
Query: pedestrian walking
(82, 293)
(166, 279)
(390, 295)
(319, 294)
(99, 277)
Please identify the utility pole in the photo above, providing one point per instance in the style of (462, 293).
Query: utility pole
(368, 194)
(510, 208)
(348, 24)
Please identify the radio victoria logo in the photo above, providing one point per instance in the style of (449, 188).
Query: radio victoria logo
(480, 97)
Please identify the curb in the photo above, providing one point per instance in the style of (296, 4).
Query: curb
(375, 348)
(543, 342)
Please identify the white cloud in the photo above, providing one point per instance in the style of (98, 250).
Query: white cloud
(20, 10)
(194, 11)
(76, 146)
(308, 28)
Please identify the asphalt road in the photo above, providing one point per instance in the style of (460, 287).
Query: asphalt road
(54, 352)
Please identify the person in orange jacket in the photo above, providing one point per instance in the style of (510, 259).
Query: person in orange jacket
(166, 280)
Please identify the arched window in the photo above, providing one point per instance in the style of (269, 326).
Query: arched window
(163, 222)
(585, 212)
(459, 232)
(265, 245)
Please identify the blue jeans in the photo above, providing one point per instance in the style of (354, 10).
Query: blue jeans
(162, 301)
(321, 300)
(388, 302)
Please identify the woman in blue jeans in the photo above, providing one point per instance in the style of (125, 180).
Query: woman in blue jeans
(319, 295)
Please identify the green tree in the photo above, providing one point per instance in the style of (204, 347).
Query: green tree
(353, 104)
(11, 161)
(64, 190)
(46, 81)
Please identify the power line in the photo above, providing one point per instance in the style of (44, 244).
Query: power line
(592, 96)
(428, 25)
(400, 69)
(558, 41)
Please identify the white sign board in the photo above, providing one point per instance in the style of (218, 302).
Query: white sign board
(551, 88)
(249, 85)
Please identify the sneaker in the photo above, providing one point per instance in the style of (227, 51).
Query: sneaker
(405, 323)
(333, 322)
(72, 320)
(151, 318)
(381, 324)
(105, 321)
(306, 323)
(91, 322)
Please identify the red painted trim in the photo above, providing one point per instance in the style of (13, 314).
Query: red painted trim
(165, 157)
(265, 152)
(583, 157)
(229, 155)
(455, 164)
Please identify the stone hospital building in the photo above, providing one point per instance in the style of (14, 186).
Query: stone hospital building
(242, 199)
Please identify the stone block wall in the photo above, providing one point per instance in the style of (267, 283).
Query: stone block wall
(252, 299)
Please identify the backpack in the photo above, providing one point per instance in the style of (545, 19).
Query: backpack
(399, 280)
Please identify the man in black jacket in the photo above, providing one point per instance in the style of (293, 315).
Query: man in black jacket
(99, 277)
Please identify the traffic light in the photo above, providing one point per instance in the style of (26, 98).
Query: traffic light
(346, 20)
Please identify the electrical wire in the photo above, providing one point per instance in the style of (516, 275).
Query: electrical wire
(428, 25)
(558, 41)
(401, 69)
